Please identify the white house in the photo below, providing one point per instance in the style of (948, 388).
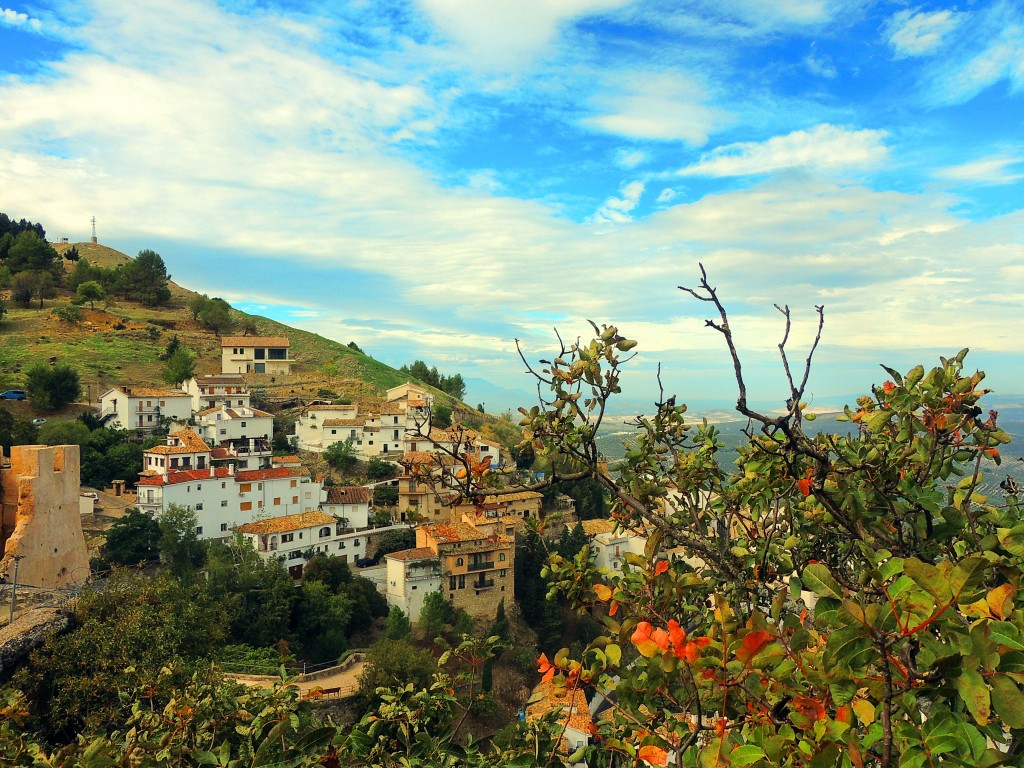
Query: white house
(609, 544)
(573, 713)
(241, 435)
(223, 498)
(143, 408)
(293, 539)
(183, 451)
(372, 432)
(255, 354)
(349, 505)
(216, 390)
(412, 574)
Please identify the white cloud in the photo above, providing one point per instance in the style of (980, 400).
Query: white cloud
(820, 64)
(617, 209)
(14, 18)
(824, 146)
(997, 169)
(666, 195)
(507, 34)
(628, 159)
(655, 105)
(920, 33)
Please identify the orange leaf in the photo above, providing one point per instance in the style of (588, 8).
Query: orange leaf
(613, 608)
(810, 708)
(1000, 600)
(660, 637)
(753, 643)
(604, 592)
(677, 635)
(661, 567)
(888, 387)
(653, 755)
(543, 665)
(641, 638)
(546, 678)
(844, 714)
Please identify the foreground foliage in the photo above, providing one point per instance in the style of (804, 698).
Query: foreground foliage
(842, 600)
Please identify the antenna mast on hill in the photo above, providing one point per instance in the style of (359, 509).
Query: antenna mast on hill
(94, 230)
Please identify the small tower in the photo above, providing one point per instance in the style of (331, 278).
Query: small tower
(94, 230)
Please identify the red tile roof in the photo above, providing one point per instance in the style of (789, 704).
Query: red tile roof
(254, 341)
(348, 495)
(418, 553)
(245, 476)
(286, 523)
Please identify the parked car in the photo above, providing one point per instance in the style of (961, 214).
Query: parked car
(364, 562)
(38, 420)
(13, 394)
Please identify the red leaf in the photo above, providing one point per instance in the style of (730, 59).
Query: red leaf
(753, 643)
(653, 755)
(661, 567)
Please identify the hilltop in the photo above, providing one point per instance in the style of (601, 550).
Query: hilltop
(121, 344)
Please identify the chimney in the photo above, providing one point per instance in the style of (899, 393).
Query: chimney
(213, 471)
(231, 470)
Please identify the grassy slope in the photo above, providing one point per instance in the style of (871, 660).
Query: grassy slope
(106, 356)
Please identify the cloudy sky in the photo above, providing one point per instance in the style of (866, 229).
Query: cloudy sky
(435, 178)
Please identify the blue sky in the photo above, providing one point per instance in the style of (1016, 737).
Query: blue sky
(437, 178)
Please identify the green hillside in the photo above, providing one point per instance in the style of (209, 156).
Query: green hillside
(121, 344)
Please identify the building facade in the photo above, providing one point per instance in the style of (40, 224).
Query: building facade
(143, 408)
(255, 354)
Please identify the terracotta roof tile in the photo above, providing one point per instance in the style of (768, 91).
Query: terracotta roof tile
(188, 442)
(519, 496)
(562, 699)
(287, 523)
(347, 495)
(448, 532)
(343, 422)
(287, 460)
(595, 527)
(417, 553)
(151, 392)
(254, 341)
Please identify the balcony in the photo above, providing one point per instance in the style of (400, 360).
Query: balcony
(483, 584)
(481, 566)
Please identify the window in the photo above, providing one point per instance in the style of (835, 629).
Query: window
(223, 431)
(294, 555)
(245, 487)
(334, 431)
(245, 506)
(459, 562)
(502, 572)
(199, 530)
(295, 499)
(325, 532)
(501, 557)
(224, 502)
(199, 507)
(259, 486)
(243, 423)
(462, 582)
(300, 534)
(223, 526)
(199, 487)
(223, 485)
(277, 501)
(355, 542)
(162, 404)
(286, 537)
(294, 483)
(341, 545)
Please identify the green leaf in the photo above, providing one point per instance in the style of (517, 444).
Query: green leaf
(817, 579)
(967, 574)
(748, 754)
(1005, 633)
(974, 692)
(929, 578)
(1007, 700)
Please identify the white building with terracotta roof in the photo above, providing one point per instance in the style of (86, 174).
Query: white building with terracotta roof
(183, 450)
(143, 408)
(238, 434)
(293, 539)
(350, 505)
(223, 498)
(573, 713)
(372, 431)
(255, 354)
(412, 574)
(609, 543)
(216, 390)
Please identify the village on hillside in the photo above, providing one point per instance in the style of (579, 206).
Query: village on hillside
(217, 463)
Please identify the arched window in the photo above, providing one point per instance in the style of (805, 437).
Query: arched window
(325, 532)
(501, 557)
(458, 561)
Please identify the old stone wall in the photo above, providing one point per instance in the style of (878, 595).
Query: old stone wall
(39, 517)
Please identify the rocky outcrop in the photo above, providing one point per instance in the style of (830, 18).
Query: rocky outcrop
(29, 631)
